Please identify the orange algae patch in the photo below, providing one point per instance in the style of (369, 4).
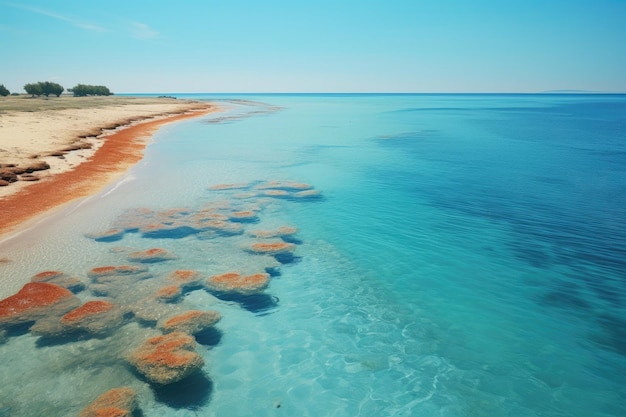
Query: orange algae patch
(243, 215)
(151, 255)
(272, 248)
(46, 275)
(168, 293)
(59, 278)
(181, 318)
(168, 358)
(117, 402)
(104, 270)
(234, 282)
(280, 232)
(114, 270)
(90, 308)
(184, 276)
(228, 186)
(276, 193)
(286, 185)
(33, 295)
(191, 322)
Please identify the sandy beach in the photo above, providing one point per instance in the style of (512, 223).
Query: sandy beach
(55, 150)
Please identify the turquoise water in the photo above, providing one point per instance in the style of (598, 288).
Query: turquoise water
(466, 258)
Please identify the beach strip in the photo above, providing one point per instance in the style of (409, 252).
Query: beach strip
(118, 152)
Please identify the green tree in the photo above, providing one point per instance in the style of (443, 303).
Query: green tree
(82, 90)
(3, 91)
(48, 88)
(56, 89)
(34, 89)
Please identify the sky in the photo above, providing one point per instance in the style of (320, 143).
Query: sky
(231, 46)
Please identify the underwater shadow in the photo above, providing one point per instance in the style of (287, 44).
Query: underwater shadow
(287, 258)
(291, 239)
(18, 329)
(209, 337)
(191, 393)
(613, 333)
(259, 304)
(69, 337)
(273, 271)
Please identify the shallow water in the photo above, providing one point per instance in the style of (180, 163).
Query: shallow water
(466, 258)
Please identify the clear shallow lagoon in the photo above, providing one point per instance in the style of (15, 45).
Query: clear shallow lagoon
(467, 258)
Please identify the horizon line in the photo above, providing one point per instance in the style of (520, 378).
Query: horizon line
(548, 92)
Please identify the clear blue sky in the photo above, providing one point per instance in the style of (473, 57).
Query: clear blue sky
(316, 46)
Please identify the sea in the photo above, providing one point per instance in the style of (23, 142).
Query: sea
(456, 255)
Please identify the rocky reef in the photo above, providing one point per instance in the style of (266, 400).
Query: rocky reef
(191, 322)
(168, 358)
(101, 304)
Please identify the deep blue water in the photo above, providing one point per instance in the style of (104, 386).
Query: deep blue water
(467, 258)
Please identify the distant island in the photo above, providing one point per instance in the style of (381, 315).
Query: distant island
(575, 92)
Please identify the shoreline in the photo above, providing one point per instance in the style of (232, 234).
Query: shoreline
(116, 154)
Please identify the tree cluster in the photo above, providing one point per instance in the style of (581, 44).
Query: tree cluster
(82, 90)
(4, 91)
(44, 88)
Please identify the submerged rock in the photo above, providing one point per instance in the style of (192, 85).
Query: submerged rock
(95, 317)
(276, 193)
(149, 310)
(308, 194)
(104, 273)
(244, 216)
(110, 235)
(133, 219)
(116, 402)
(172, 230)
(185, 278)
(232, 282)
(168, 358)
(229, 186)
(112, 281)
(272, 248)
(222, 227)
(284, 185)
(282, 231)
(191, 322)
(61, 279)
(169, 293)
(151, 255)
(34, 301)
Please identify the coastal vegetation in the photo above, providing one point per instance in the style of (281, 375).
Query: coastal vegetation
(47, 88)
(44, 88)
(83, 90)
